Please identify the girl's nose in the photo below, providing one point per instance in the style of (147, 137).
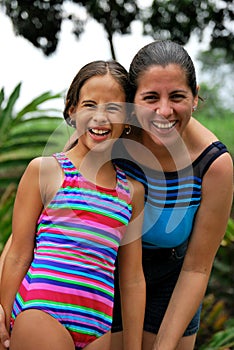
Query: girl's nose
(100, 115)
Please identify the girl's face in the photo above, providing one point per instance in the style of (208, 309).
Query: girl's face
(164, 103)
(100, 113)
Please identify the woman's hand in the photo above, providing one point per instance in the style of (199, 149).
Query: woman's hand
(4, 335)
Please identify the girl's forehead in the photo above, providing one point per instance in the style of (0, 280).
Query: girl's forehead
(103, 87)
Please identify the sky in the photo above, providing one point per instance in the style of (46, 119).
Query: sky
(21, 62)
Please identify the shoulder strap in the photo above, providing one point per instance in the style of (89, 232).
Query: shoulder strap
(65, 163)
(122, 185)
(207, 157)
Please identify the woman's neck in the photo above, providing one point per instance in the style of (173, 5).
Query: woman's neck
(157, 156)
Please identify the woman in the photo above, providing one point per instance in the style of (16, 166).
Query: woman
(71, 213)
(187, 174)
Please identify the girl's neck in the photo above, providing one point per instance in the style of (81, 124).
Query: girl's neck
(96, 167)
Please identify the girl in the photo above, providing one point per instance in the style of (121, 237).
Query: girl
(79, 206)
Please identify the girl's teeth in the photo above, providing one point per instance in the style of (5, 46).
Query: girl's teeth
(99, 132)
(164, 125)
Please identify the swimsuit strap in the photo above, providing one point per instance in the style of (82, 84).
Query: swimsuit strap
(122, 185)
(70, 171)
(66, 164)
(208, 156)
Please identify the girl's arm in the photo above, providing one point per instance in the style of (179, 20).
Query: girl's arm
(131, 277)
(27, 208)
(209, 229)
(3, 255)
(4, 335)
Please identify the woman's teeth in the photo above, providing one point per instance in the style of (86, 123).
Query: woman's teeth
(164, 126)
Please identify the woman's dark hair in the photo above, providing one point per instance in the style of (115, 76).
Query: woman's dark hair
(161, 53)
(92, 69)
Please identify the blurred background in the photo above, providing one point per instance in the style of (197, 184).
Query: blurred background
(43, 45)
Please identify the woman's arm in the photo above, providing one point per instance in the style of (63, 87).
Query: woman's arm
(131, 277)
(208, 232)
(27, 208)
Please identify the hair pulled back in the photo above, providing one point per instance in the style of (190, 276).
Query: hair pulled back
(90, 70)
(161, 53)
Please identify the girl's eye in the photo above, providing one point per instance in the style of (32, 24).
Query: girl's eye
(89, 105)
(113, 108)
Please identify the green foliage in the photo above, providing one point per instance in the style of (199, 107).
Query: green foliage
(25, 134)
(222, 278)
(6, 208)
(213, 318)
(40, 21)
(217, 318)
(223, 340)
(212, 114)
(178, 19)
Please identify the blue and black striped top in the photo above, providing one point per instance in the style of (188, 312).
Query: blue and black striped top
(171, 198)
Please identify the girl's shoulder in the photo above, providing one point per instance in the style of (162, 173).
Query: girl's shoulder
(49, 174)
(137, 190)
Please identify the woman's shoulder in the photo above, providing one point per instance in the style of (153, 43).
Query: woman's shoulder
(200, 134)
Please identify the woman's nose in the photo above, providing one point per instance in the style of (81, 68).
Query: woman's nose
(164, 109)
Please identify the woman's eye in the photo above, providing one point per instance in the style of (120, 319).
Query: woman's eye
(150, 98)
(177, 97)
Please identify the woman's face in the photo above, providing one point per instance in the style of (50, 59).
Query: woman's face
(164, 103)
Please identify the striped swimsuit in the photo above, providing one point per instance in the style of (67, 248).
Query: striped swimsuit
(72, 274)
(171, 198)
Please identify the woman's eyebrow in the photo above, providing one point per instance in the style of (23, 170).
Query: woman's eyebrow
(148, 92)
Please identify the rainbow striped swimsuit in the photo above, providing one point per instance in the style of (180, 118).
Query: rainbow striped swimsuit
(72, 274)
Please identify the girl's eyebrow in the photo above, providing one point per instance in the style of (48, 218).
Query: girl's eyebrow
(89, 101)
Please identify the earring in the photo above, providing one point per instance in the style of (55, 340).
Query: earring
(194, 108)
(71, 122)
(128, 129)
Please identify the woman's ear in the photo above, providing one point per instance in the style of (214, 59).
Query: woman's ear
(196, 98)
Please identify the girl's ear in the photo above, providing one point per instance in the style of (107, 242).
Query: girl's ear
(71, 110)
(71, 120)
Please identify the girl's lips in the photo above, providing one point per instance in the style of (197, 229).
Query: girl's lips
(99, 134)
